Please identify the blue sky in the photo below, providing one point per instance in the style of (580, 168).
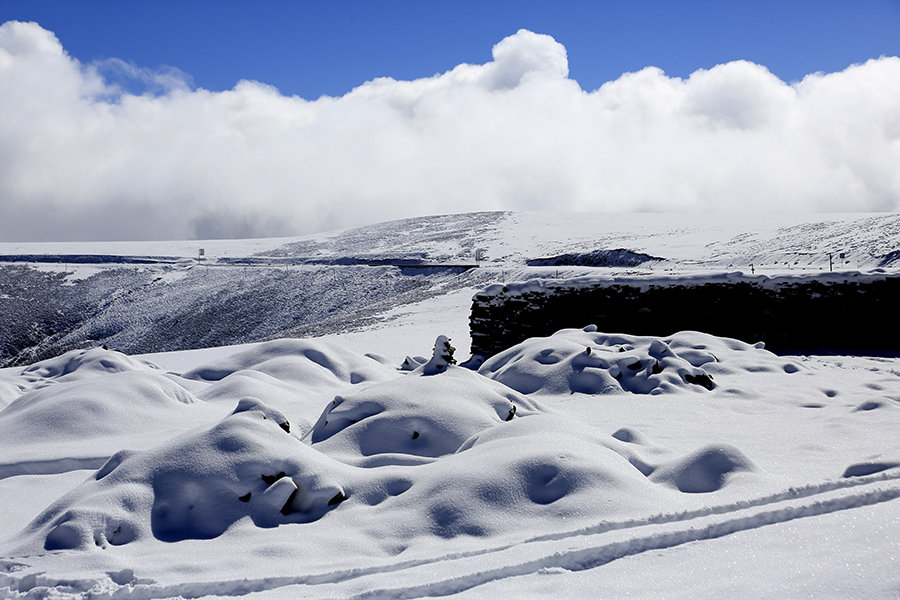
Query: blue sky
(314, 48)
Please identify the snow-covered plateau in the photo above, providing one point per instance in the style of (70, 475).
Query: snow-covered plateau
(334, 449)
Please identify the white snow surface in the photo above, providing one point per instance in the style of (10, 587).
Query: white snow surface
(772, 242)
(583, 464)
(303, 469)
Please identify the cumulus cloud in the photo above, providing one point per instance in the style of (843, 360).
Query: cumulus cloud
(84, 156)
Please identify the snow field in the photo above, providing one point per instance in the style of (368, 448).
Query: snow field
(551, 461)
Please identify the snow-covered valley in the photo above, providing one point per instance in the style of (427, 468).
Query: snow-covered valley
(587, 463)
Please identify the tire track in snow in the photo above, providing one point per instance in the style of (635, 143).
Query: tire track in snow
(598, 555)
(794, 493)
(669, 530)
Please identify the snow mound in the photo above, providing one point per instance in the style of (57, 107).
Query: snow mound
(540, 468)
(868, 468)
(411, 363)
(254, 404)
(589, 362)
(81, 364)
(298, 377)
(299, 361)
(303, 405)
(196, 486)
(414, 417)
(706, 470)
(100, 413)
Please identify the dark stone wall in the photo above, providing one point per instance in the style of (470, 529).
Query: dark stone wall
(796, 316)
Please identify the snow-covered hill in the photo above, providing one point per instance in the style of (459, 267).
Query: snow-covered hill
(508, 239)
(154, 309)
(771, 242)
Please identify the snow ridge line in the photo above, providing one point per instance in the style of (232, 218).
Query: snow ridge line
(597, 556)
(143, 590)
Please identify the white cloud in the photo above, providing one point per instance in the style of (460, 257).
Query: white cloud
(121, 75)
(82, 158)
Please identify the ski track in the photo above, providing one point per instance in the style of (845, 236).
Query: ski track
(656, 532)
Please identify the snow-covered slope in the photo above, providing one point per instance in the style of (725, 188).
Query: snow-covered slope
(511, 238)
(770, 241)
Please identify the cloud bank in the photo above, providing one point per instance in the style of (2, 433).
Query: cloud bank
(84, 156)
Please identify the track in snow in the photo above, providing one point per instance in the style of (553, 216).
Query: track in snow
(576, 550)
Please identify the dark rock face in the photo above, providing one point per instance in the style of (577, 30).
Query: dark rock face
(618, 257)
(792, 316)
